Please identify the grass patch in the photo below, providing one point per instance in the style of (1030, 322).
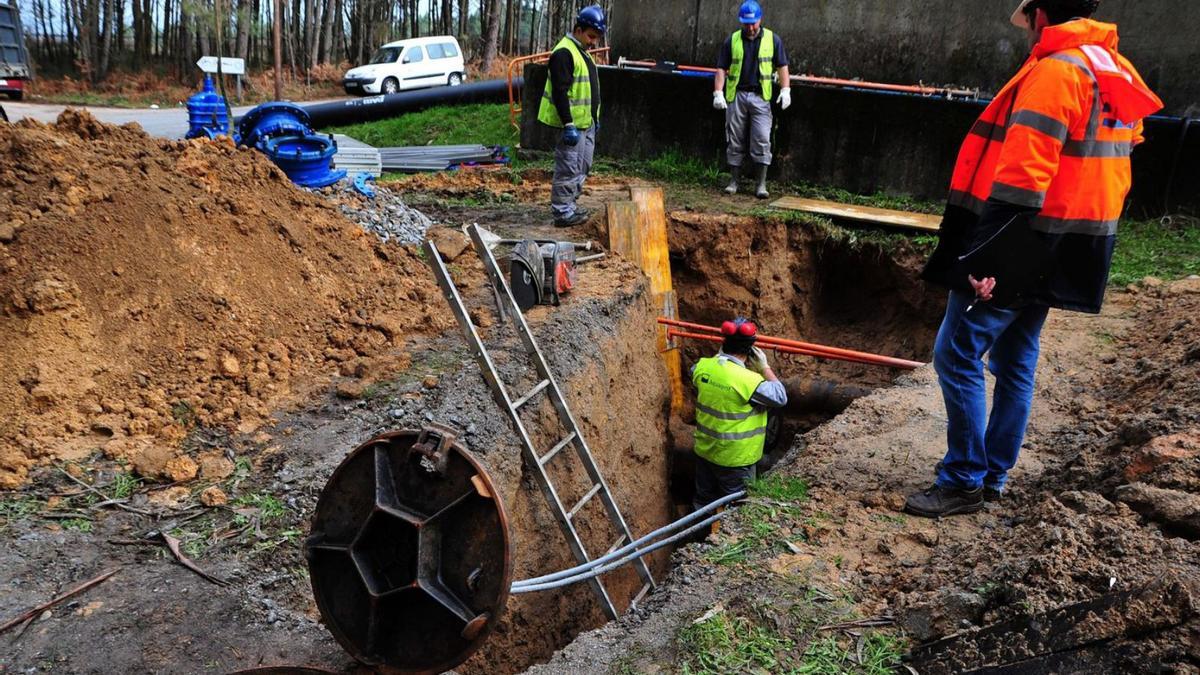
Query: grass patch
(780, 488)
(485, 123)
(269, 507)
(124, 485)
(671, 166)
(730, 644)
(17, 508)
(730, 552)
(1168, 249)
(77, 525)
(880, 653)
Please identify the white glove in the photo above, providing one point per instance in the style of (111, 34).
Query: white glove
(719, 100)
(757, 361)
(785, 98)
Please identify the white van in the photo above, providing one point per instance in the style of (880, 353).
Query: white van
(409, 64)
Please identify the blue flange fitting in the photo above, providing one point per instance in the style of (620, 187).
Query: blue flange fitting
(207, 115)
(305, 159)
(272, 119)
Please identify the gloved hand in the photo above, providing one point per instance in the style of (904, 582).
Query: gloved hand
(785, 98)
(570, 136)
(757, 361)
(719, 101)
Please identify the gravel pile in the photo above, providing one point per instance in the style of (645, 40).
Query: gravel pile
(386, 216)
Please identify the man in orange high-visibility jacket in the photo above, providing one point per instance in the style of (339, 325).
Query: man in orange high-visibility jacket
(1037, 191)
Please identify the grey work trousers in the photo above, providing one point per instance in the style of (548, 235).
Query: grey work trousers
(714, 481)
(571, 167)
(748, 129)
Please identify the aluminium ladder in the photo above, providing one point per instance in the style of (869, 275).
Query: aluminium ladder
(547, 385)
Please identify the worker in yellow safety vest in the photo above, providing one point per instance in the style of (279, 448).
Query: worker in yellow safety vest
(733, 391)
(743, 90)
(571, 103)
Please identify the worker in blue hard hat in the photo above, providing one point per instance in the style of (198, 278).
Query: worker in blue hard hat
(571, 103)
(743, 90)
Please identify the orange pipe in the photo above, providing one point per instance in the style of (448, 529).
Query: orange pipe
(717, 338)
(809, 348)
(836, 82)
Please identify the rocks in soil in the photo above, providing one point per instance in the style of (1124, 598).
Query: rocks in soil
(151, 287)
(386, 216)
(1174, 509)
(213, 496)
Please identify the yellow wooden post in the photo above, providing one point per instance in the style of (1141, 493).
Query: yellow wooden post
(637, 229)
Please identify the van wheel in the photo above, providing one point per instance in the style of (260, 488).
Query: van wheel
(391, 85)
(454, 80)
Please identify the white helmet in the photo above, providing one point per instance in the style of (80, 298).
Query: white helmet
(1019, 18)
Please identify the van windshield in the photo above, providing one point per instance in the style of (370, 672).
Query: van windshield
(386, 55)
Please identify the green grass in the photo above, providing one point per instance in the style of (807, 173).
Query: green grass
(730, 644)
(671, 167)
(16, 508)
(269, 507)
(123, 485)
(77, 525)
(881, 654)
(730, 552)
(1150, 248)
(780, 488)
(486, 123)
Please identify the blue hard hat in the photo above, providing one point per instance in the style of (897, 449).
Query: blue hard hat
(750, 12)
(592, 16)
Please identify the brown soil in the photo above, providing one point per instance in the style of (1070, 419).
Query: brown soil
(150, 286)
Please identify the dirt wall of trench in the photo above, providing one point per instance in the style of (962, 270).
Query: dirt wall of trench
(601, 347)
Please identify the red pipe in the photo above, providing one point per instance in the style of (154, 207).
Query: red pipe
(832, 81)
(807, 348)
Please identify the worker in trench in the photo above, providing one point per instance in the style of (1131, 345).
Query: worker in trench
(734, 389)
(743, 90)
(571, 104)
(1030, 224)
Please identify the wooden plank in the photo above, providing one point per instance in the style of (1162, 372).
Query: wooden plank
(637, 230)
(862, 214)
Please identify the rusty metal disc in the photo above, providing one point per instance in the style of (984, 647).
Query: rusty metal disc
(409, 552)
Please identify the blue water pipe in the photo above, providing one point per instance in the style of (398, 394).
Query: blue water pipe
(305, 159)
(275, 118)
(207, 115)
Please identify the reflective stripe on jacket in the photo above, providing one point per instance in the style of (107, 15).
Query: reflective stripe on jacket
(1057, 138)
(766, 58)
(580, 93)
(729, 430)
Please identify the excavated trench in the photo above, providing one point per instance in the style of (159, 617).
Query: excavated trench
(795, 281)
(806, 283)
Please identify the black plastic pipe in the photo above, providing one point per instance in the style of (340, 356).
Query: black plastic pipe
(353, 111)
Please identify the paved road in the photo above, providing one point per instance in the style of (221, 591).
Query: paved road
(165, 122)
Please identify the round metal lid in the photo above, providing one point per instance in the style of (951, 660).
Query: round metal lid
(409, 552)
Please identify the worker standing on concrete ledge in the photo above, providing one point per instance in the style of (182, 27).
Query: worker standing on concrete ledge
(743, 91)
(733, 391)
(1031, 221)
(571, 102)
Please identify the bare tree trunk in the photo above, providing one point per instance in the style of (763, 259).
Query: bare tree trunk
(464, 15)
(492, 37)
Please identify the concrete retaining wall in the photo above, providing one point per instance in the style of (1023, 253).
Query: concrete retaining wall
(860, 141)
(963, 42)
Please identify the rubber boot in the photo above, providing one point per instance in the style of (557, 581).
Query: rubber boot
(735, 174)
(761, 190)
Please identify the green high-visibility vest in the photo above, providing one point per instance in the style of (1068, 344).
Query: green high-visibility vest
(729, 431)
(580, 93)
(766, 59)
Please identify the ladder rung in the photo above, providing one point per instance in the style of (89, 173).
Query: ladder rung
(554, 451)
(532, 392)
(590, 493)
(641, 594)
(616, 545)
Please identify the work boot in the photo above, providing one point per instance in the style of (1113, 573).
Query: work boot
(761, 190)
(577, 218)
(735, 174)
(991, 494)
(937, 502)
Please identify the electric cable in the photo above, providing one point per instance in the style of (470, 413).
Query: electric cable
(624, 561)
(670, 527)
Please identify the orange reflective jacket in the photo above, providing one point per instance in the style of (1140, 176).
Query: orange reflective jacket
(1058, 136)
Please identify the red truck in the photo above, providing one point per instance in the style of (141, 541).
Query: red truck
(14, 59)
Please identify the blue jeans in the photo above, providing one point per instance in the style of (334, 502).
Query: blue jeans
(981, 449)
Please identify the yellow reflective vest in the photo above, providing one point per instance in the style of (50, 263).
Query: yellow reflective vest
(766, 59)
(580, 93)
(729, 430)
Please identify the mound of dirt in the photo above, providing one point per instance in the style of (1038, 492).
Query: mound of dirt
(148, 286)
